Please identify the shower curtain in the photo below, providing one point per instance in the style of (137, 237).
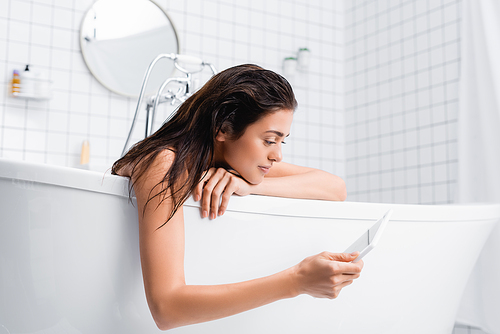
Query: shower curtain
(479, 151)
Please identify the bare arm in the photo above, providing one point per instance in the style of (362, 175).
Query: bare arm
(287, 180)
(173, 303)
(283, 180)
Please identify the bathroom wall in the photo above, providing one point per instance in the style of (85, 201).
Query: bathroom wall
(45, 33)
(401, 84)
(378, 105)
(401, 102)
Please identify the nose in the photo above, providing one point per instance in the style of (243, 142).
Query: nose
(276, 155)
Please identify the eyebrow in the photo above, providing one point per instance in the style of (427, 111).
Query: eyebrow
(278, 133)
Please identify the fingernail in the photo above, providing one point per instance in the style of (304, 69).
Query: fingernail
(354, 253)
(196, 198)
(221, 212)
(212, 215)
(205, 214)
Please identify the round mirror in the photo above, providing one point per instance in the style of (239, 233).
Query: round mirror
(120, 38)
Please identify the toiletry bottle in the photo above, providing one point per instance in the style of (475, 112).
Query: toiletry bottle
(16, 83)
(289, 66)
(303, 58)
(27, 81)
(85, 155)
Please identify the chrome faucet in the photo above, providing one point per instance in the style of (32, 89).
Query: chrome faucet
(181, 95)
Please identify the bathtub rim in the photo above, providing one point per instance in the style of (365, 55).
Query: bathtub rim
(105, 183)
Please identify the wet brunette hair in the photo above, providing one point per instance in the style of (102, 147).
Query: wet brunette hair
(230, 101)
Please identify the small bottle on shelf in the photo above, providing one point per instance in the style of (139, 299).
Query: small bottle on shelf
(16, 83)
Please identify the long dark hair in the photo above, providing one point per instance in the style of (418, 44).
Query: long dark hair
(230, 101)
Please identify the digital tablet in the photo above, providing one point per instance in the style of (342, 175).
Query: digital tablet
(368, 240)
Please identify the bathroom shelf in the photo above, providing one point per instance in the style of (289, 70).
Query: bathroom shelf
(30, 96)
(44, 87)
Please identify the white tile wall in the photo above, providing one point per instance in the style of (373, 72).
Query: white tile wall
(401, 83)
(45, 33)
(402, 61)
(378, 106)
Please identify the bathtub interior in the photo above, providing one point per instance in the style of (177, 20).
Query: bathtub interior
(70, 260)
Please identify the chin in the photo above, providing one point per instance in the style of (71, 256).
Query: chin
(255, 180)
(252, 178)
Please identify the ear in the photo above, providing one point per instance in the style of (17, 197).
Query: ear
(221, 136)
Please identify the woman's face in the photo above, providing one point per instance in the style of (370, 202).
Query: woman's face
(254, 153)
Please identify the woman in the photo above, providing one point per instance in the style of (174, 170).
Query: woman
(225, 139)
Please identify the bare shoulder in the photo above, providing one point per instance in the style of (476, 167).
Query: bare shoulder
(162, 162)
(146, 176)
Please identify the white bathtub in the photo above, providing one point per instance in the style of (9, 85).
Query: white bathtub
(69, 260)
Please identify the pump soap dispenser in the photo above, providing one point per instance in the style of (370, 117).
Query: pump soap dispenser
(27, 82)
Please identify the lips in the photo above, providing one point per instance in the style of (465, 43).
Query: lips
(265, 169)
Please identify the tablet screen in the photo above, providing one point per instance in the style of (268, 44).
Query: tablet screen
(369, 239)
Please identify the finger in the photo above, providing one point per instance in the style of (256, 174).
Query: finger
(360, 264)
(207, 195)
(208, 189)
(205, 200)
(339, 287)
(341, 257)
(216, 194)
(335, 291)
(345, 257)
(231, 188)
(198, 190)
(346, 268)
(350, 276)
(354, 254)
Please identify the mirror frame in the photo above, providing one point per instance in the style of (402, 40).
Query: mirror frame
(92, 71)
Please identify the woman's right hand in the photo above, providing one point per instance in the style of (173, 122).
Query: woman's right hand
(215, 189)
(325, 274)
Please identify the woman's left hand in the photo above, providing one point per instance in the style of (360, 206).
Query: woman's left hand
(217, 183)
